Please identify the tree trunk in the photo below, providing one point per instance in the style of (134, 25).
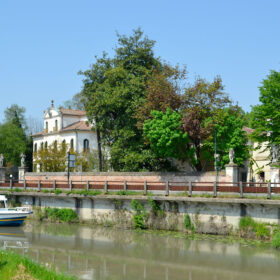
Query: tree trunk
(100, 168)
(198, 166)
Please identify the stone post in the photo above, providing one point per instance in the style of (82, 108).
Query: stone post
(21, 173)
(2, 174)
(274, 175)
(232, 172)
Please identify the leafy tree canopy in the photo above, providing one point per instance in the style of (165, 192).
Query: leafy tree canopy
(12, 143)
(166, 137)
(265, 117)
(228, 123)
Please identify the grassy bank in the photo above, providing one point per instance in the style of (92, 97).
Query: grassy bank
(17, 267)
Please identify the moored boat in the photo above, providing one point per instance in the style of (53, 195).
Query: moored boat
(12, 216)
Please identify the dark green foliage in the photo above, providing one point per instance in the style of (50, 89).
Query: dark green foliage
(188, 223)
(61, 215)
(141, 216)
(156, 210)
(13, 138)
(114, 90)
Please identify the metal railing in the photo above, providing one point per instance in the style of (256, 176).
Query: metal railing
(189, 188)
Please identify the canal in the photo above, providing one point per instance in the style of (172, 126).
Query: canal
(105, 253)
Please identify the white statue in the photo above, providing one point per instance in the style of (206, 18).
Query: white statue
(22, 159)
(274, 151)
(1, 160)
(231, 155)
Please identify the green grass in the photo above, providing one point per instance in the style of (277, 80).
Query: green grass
(15, 266)
(122, 192)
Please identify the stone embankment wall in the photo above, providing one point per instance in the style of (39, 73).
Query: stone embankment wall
(130, 176)
(208, 215)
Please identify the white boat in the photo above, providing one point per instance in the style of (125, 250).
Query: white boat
(12, 216)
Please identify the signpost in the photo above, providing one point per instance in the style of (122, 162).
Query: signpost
(71, 163)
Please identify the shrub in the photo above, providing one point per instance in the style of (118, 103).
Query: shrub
(262, 231)
(61, 215)
(140, 217)
(58, 191)
(247, 223)
(188, 223)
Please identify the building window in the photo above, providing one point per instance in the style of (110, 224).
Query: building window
(47, 126)
(86, 145)
(55, 144)
(35, 148)
(46, 145)
(72, 144)
(42, 145)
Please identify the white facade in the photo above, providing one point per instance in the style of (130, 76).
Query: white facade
(66, 125)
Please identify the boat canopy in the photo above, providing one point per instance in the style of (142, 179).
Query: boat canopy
(3, 198)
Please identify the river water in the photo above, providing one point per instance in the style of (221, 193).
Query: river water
(103, 253)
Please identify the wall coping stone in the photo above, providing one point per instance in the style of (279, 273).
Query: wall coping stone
(221, 173)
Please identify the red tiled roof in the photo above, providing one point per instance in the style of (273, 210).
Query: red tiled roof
(248, 130)
(38, 133)
(72, 112)
(80, 125)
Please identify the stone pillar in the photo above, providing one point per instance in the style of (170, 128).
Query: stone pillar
(274, 174)
(2, 174)
(232, 172)
(21, 173)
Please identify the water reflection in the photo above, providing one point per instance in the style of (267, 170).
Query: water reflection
(100, 253)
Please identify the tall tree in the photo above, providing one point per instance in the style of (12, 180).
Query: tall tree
(201, 102)
(15, 114)
(229, 123)
(265, 118)
(13, 138)
(12, 143)
(164, 90)
(93, 96)
(115, 89)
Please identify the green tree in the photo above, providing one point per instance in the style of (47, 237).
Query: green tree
(265, 117)
(114, 90)
(15, 114)
(229, 123)
(13, 138)
(12, 143)
(166, 136)
(52, 158)
(200, 102)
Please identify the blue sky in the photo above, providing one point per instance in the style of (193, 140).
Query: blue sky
(43, 44)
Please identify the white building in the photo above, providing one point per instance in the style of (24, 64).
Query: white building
(66, 125)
